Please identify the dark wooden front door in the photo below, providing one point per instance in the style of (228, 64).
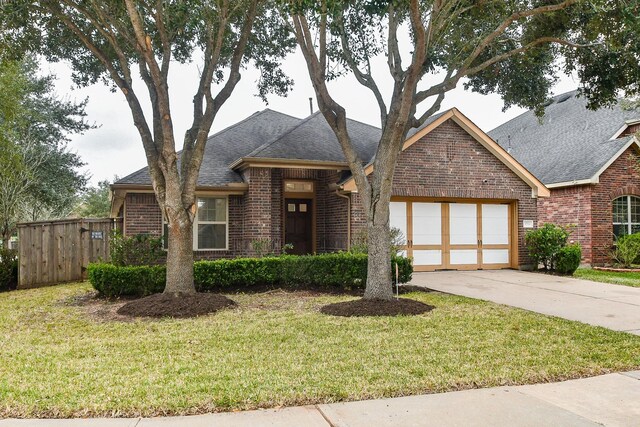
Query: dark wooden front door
(298, 225)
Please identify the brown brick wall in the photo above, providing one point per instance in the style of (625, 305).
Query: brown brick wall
(257, 207)
(142, 214)
(450, 163)
(570, 206)
(621, 178)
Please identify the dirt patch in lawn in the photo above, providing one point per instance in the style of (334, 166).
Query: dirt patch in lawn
(362, 307)
(176, 305)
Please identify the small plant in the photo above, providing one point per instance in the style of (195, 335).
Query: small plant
(545, 243)
(262, 247)
(627, 250)
(8, 269)
(360, 245)
(141, 249)
(568, 259)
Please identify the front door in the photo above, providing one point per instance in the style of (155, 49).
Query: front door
(298, 225)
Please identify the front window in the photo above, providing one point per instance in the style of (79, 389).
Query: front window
(626, 215)
(210, 228)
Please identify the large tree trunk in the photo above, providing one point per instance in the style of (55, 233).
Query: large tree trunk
(180, 256)
(379, 262)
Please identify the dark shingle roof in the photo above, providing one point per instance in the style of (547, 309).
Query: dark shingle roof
(313, 139)
(270, 134)
(571, 143)
(228, 145)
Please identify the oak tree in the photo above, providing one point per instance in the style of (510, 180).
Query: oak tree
(505, 47)
(117, 41)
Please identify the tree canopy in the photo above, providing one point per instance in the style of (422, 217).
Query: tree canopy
(39, 175)
(95, 201)
(131, 44)
(513, 48)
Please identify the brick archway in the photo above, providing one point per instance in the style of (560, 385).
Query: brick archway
(627, 190)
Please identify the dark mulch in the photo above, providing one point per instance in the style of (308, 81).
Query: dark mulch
(176, 305)
(363, 307)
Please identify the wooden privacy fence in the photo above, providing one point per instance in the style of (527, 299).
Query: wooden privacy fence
(53, 252)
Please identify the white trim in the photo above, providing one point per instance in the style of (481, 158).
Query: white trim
(624, 127)
(619, 132)
(196, 222)
(595, 179)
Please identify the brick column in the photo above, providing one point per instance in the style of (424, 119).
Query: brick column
(257, 214)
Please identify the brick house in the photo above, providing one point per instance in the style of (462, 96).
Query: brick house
(460, 200)
(589, 161)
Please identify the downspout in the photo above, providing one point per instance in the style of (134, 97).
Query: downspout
(345, 196)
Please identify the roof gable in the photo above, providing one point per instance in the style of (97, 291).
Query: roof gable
(454, 114)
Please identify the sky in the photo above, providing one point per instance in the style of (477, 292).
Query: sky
(115, 148)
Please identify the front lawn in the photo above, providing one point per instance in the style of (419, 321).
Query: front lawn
(615, 277)
(64, 354)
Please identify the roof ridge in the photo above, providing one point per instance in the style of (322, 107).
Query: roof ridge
(179, 152)
(531, 110)
(277, 138)
(257, 113)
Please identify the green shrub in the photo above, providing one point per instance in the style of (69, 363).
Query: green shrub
(114, 281)
(568, 259)
(141, 249)
(627, 250)
(8, 269)
(545, 243)
(234, 273)
(336, 270)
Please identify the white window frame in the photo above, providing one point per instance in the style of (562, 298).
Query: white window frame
(629, 223)
(196, 222)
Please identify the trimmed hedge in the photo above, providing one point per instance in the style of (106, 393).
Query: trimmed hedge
(115, 281)
(336, 270)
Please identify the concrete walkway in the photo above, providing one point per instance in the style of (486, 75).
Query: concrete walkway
(611, 306)
(610, 400)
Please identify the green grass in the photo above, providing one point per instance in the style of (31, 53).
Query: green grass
(615, 277)
(60, 359)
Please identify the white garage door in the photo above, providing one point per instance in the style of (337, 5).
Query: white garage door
(448, 235)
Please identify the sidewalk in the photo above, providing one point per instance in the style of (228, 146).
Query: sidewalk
(610, 400)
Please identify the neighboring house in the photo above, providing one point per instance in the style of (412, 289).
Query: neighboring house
(589, 161)
(459, 198)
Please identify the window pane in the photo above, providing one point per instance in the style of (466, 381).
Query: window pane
(212, 236)
(635, 209)
(212, 209)
(620, 229)
(620, 210)
(635, 228)
(299, 187)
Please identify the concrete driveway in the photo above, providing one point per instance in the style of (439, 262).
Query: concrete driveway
(611, 306)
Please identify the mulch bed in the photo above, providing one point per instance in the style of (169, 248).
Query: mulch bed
(363, 307)
(176, 305)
